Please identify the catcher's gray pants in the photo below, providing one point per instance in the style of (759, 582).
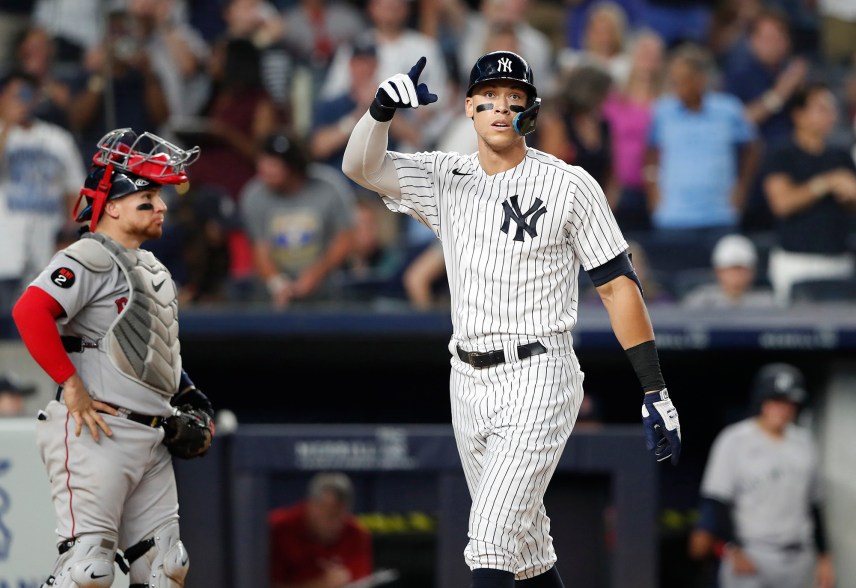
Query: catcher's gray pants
(777, 568)
(122, 485)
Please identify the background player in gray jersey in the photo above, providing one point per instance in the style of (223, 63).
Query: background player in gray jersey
(101, 320)
(761, 492)
(516, 224)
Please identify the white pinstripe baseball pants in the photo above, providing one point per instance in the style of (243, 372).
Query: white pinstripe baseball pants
(511, 424)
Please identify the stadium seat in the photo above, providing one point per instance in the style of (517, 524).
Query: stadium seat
(836, 291)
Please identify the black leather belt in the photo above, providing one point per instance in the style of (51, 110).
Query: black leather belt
(73, 344)
(144, 419)
(484, 359)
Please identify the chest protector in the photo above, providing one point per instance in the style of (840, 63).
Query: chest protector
(143, 340)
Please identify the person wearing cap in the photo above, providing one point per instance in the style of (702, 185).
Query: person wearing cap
(299, 216)
(318, 542)
(101, 319)
(761, 492)
(12, 394)
(735, 262)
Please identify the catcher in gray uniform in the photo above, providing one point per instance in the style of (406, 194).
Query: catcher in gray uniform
(761, 492)
(101, 320)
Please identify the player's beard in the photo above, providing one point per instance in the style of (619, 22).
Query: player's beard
(152, 230)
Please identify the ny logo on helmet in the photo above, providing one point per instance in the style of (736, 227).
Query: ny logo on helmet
(504, 65)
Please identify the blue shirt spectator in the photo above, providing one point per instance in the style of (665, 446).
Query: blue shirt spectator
(698, 169)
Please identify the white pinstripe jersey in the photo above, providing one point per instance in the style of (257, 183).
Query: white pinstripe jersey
(513, 242)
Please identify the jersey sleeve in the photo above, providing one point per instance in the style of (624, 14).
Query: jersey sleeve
(719, 480)
(69, 283)
(416, 180)
(597, 237)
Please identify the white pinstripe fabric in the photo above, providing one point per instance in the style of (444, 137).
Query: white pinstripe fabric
(502, 288)
(511, 424)
(513, 244)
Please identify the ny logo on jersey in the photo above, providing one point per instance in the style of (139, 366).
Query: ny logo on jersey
(504, 65)
(512, 212)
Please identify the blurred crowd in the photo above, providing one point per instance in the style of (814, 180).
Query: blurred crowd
(721, 132)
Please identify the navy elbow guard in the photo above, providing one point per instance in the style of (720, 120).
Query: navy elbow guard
(614, 268)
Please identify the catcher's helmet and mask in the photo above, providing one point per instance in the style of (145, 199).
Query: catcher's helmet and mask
(506, 65)
(779, 381)
(125, 163)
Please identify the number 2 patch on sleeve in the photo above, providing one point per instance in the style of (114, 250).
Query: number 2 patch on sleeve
(63, 277)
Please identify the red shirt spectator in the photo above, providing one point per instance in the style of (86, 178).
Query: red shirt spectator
(318, 541)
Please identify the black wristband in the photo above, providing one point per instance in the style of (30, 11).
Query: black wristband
(380, 112)
(646, 364)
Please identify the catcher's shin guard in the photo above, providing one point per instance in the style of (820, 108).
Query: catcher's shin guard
(159, 561)
(84, 562)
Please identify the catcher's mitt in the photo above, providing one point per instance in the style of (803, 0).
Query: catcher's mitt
(188, 432)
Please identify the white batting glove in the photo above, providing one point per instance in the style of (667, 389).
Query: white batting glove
(401, 91)
(662, 427)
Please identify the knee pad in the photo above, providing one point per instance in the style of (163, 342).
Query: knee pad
(84, 562)
(159, 561)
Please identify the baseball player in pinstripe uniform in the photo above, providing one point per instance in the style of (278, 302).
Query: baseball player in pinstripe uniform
(101, 320)
(516, 224)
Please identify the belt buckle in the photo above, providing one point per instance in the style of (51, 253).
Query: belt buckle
(155, 422)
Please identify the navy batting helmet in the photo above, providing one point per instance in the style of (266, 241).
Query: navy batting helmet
(503, 65)
(507, 65)
(780, 381)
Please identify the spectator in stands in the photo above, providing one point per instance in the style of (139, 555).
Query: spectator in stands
(761, 492)
(730, 22)
(12, 395)
(207, 216)
(316, 29)
(480, 27)
(397, 43)
(574, 129)
(177, 52)
(764, 73)
(137, 99)
(256, 20)
(261, 23)
(334, 118)
(605, 42)
(735, 262)
(300, 219)
(239, 114)
(811, 189)
(696, 187)
(628, 109)
(318, 542)
(34, 52)
(41, 171)
(76, 25)
(577, 18)
(372, 268)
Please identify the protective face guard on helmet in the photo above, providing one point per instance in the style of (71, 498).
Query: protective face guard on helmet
(524, 122)
(147, 156)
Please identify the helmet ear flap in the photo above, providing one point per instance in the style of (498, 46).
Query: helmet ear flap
(96, 197)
